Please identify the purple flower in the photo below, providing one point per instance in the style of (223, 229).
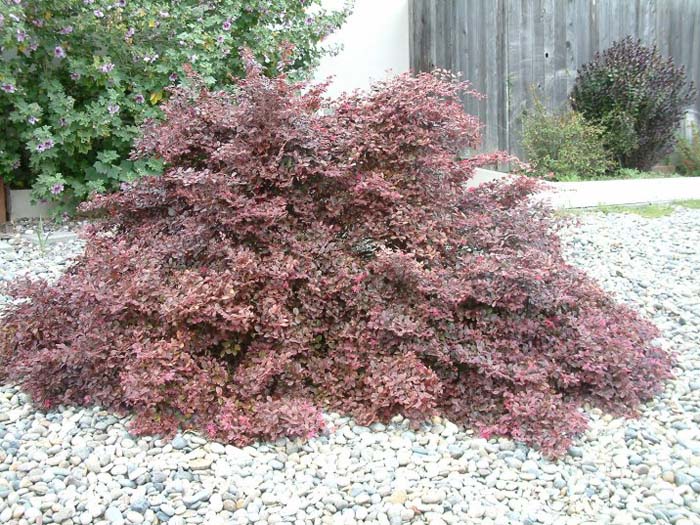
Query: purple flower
(121, 3)
(38, 22)
(106, 68)
(220, 39)
(226, 26)
(173, 77)
(32, 119)
(66, 30)
(62, 122)
(59, 52)
(21, 35)
(17, 2)
(113, 109)
(129, 33)
(44, 146)
(75, 76)
(57, 189)
(8, 88)
(98, 13)
(309, 20)
(139, 99)
(33, 46)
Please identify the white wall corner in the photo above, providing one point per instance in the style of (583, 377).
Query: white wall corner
(375, 45)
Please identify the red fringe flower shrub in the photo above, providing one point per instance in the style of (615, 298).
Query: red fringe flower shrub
(300, 255)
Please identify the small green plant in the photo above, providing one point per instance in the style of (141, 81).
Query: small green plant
(42, 237)
(564, 145)
(688, 154)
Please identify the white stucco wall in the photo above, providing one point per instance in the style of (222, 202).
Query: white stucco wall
(375, 41)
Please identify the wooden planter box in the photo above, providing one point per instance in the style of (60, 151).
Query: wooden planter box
(20, 205)
(3, 206)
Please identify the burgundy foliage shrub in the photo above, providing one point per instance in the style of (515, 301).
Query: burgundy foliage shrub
(301, 254)
(638, 97)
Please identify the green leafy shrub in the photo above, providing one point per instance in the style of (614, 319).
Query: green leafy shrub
(78, 77)
(564, 145)
(688, 154)
(638, 97)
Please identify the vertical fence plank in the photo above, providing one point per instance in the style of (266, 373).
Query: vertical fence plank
(693, 67)
(647, 14)
(515, 93)
(491, 79)
(502, 77)
(560, 54)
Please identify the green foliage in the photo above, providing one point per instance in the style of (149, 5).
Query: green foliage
(693, 204)
(79, 77)
(688, 154)
(564, 145)
(648, 211)
(632, 173)
(638, 96)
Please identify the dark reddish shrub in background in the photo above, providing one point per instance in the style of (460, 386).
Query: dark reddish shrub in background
(639, 98)
(300, 254)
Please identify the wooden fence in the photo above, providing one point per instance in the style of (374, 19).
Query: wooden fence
(508, 47)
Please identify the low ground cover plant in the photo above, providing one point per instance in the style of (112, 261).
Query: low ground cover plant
(78, 77)
(300, 255)
(638, 97)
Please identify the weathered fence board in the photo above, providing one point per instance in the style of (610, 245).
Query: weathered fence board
(508, 48)
(3, 209)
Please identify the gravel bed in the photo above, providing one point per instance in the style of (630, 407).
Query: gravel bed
(81, 466)
(23, 255)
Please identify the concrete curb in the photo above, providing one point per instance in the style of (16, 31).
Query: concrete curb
(588, 194)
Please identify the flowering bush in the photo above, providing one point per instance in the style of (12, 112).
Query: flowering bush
(299, 254)
(78, 77)
(638, 97)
